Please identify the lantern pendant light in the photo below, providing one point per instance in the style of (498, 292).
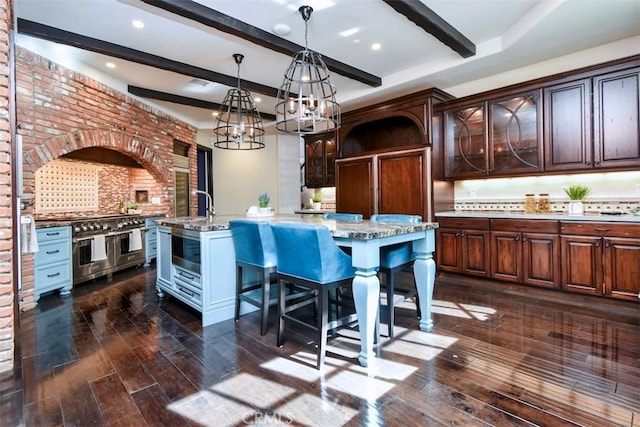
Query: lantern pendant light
(239, 125)
(306, 101)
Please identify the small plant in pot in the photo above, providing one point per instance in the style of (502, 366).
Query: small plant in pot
(316, 201)
(577, 193)
(264, 199)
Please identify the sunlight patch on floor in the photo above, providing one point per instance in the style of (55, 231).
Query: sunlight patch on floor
(464, 311)
(419, 344)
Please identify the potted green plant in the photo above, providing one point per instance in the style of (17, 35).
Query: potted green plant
(132, 208)
(316, 201)
(264, 199)
(577, 194)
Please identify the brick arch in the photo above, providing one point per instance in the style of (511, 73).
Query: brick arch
(130, 145)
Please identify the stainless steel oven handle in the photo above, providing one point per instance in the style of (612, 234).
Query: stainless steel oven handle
(111, 234)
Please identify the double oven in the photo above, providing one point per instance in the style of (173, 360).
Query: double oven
(104, 245)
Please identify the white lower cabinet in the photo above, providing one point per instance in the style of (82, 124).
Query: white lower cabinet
(52, 262)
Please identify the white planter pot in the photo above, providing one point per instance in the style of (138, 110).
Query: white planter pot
(317, 206)
(264, 210)
(576, 208)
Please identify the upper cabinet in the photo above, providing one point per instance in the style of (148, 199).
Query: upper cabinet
(320, 158)
(584, 120)
(616, 124)
(499, 136)
(567, 114)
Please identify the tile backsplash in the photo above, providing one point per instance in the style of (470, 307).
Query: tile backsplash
(612, 191)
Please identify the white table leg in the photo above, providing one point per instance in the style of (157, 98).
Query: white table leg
(366, 295)
(424, 271)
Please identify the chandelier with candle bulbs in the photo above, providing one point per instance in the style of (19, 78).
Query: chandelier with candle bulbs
(306, 101)
(239, 125)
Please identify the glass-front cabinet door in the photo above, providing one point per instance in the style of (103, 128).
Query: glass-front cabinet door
(515, 134)
(320, 157)
(465, 141)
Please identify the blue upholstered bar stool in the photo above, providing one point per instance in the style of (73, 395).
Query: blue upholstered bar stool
(255, 249)
(343, 216)
(394, 258)
(309, 257)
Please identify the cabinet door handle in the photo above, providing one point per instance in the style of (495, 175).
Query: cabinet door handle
(517, 238)
(607, 244)
(461, 234)
(597, 244)
(53, 252)
(53, 275)
(603, 229)
(457, 234)
(524, 238)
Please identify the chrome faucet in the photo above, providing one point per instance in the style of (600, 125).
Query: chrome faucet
(210, 209)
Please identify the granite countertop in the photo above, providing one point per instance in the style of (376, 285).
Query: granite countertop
(353, 230)
(314, 211)
(552, 216)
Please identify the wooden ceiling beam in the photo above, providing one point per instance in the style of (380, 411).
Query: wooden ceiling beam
(182, 100)
(57, 35)
(432, 23)
(227, 24)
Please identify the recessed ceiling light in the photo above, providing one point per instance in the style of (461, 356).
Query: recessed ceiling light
(281, 29)
(137, 24)
(349, 32)
(110, 65)
(376, 46)
(214, 114)
(199, 82)
(257, 99)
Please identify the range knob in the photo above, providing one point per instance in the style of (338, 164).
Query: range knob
(84, 227)
(105, 227)
(76, 229)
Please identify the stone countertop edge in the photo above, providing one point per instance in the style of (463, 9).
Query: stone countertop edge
(360, 230)
(558, 217)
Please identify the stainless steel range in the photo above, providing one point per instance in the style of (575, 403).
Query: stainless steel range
(104, 245)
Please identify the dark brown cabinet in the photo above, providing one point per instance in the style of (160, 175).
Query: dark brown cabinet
(394, 182)
(601, 258)
(462, 246)
(320, 157)
(616, 124)
(525, 251)
(581, 134)
(567, 112)
(501, 136)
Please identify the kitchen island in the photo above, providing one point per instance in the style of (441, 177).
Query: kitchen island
(206, 281)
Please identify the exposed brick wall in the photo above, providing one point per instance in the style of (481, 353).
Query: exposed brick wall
(6, 206)
(60, 111)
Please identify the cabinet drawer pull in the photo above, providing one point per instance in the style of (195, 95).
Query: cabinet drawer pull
(183, 274)
(53, 234)
(53, 252)
(183, 290)
(521, 226)
(53, 275)
(603, 229)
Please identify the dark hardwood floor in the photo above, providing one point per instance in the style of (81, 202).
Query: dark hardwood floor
(114, 354)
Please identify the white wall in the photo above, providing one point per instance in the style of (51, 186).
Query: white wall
(240, 176)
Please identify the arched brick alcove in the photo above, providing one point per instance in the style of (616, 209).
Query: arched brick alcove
(121, 142)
